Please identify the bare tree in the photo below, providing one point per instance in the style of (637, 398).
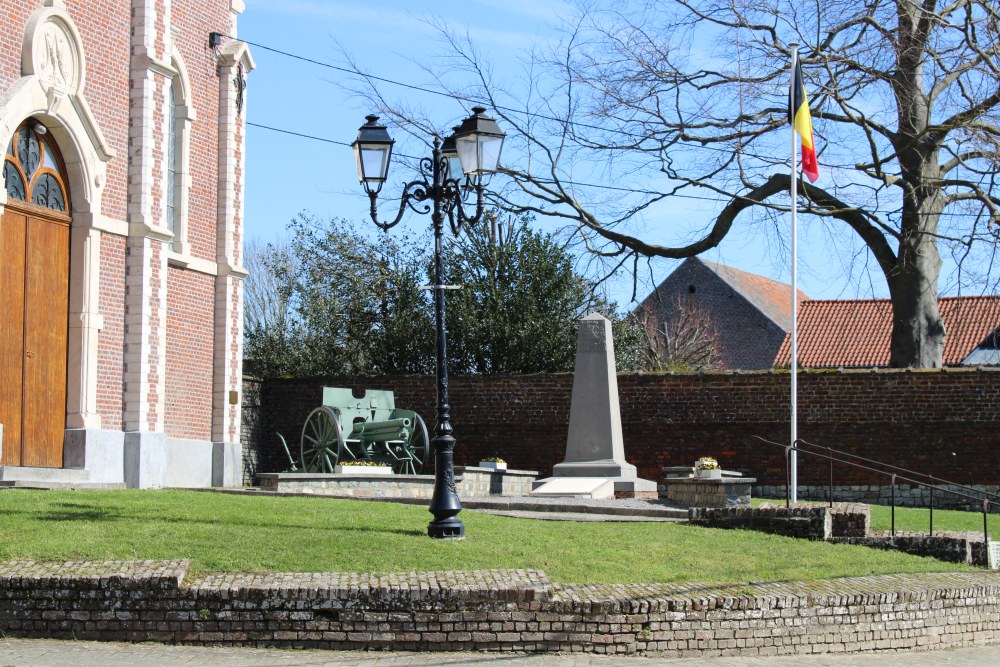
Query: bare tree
(688, 98)
(687, 340)
(267, 292)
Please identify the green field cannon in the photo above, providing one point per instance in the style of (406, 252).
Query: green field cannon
(370, 428)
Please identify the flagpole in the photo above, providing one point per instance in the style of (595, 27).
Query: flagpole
(793, 478)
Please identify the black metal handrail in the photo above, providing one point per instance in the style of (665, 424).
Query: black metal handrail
(994, 497)
(894, 477)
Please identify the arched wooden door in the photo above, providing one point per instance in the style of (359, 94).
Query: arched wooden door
(34, 301)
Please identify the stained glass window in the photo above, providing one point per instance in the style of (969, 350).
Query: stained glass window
(47, 193)
(29, 151)
(15, 184)
(33, 165)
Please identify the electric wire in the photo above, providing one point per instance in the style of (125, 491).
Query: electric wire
(474, 100)
(598, 186)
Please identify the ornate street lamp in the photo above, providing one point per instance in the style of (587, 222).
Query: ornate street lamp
(460, 165)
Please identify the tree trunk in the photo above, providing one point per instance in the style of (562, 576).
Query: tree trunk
(917, 329)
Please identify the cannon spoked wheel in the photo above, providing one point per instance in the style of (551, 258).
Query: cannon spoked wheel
(322, 440)
(420, 445)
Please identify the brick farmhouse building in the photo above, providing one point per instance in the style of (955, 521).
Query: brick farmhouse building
(120, 242)
(751, 318)
(750, 314)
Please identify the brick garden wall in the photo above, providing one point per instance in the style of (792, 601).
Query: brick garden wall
(505, 610)
(942, 422)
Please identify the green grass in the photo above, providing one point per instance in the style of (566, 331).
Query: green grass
(918, 518)
(222, 532)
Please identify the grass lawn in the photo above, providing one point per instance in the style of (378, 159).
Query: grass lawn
(918, 518)
(223, 532)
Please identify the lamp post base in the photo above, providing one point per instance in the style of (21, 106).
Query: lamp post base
(445, 504)
(447, 529)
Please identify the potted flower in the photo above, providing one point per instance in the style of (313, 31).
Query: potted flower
(707, 468)
(363, 468)
(494, 463)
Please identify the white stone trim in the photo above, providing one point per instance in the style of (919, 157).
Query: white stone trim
(228, 346)
(192, 263)
(101, 223)
(53, 50)
(144, 374)
(236, 7)
(235, 271)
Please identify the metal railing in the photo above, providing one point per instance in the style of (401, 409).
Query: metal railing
(894, 473)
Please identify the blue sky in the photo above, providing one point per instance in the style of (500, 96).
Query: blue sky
(287, 174)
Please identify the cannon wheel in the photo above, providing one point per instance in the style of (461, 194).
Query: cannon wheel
(419, 444)
(322, 440)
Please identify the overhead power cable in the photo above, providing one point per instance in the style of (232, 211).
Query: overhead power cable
(474, 100)
(578, 184)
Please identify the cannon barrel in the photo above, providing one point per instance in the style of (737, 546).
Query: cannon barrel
(391, 429)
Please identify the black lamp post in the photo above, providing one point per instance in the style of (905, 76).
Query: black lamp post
(457, 167)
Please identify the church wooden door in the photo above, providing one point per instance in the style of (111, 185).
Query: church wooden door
(34, 303)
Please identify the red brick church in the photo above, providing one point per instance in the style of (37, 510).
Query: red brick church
(121, 215)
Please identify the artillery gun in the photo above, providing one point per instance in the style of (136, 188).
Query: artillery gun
(371, 428)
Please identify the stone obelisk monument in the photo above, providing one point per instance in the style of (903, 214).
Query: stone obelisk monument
(595, 465)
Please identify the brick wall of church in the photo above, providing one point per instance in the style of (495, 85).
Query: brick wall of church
(107, 29)
(191, 21)
(190, 305)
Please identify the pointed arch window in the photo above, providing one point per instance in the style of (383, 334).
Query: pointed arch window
(179, 116)
(172, 166)
(33, 170)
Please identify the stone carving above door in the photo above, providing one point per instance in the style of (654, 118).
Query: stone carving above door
(53, 51)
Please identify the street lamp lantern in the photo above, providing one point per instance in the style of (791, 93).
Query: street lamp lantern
(372, 150)
(479, 140)
(449, 151)
(447, 178)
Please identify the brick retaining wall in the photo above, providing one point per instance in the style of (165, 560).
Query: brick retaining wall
(944, 422)
(844, 523)
(504, 610)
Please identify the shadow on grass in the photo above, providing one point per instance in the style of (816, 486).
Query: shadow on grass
(80, 512)
(73, 512)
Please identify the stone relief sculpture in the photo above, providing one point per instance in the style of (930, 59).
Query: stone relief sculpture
(55, 68)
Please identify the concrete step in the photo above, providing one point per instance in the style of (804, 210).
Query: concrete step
(44, 475)
(579, 516)
(606, 508)
(574, 506)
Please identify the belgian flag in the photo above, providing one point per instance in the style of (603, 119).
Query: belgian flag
(798, 115)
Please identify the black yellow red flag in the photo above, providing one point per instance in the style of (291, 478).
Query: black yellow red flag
(798, 115)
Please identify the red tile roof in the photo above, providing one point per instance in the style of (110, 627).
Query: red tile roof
(856, 332)
(770, 297)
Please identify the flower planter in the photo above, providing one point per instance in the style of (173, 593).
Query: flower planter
(363, 470)
(493, 465)
(714, 473)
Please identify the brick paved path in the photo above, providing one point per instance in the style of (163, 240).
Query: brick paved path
(53, 653)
